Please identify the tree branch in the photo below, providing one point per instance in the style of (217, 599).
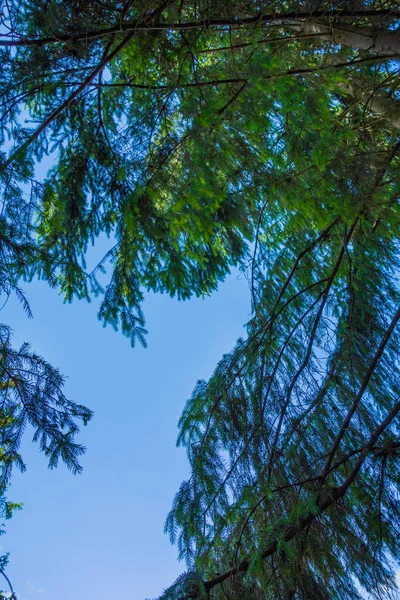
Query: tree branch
(102, 64)
(237, 22)
(323, 505)
(357, 400)
(154, 16)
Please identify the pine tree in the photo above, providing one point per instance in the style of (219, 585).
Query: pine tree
(201, 135)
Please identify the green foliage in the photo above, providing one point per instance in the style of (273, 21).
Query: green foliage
(267, 436)
(198, 136)
(168, 146)
(31, 393)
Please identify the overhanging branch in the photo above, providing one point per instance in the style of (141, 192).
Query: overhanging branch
(236, 22)
(322, 506)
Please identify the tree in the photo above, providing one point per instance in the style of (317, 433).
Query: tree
(294, 441)
(199, 135)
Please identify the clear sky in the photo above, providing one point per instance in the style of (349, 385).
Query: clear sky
(100, 534)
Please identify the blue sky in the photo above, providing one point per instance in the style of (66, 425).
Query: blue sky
(100, 534)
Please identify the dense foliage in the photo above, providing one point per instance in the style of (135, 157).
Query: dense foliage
(197, 136)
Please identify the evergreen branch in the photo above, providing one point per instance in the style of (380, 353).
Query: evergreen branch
(221, 110)
(298, 259)
(273, 317)
(376, 450)
(371, 443)
(245, 80)
(287, 38)
(378, 354)
(319, 397)
(102, 64)
(270, 321)
(262, 413)
(253, 260)
(322, 237)
(297, 422)
(85, 84)
(323, 505)
(251, 437)
(257, 20)
(309, 348)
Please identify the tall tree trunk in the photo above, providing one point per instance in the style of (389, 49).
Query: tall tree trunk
(381, 42)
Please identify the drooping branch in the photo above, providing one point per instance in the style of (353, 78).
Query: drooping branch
(371, 369)
(322, 236)
(323, 505)
(309, 347)
(86, 82)
(107, 58)
(322, 296)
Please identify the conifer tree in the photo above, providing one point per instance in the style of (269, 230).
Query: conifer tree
(294, 442)
(200, 135)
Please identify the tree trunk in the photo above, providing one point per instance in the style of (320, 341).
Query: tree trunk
(374, 101)
(381, 42)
